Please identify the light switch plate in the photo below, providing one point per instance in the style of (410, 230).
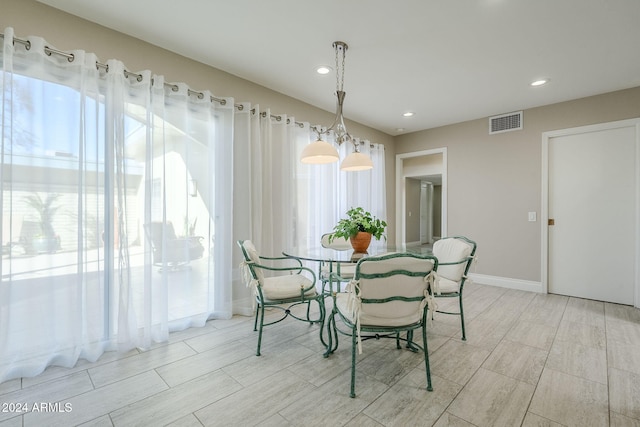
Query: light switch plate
(532, 216)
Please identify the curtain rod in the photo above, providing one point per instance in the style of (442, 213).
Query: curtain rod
(70, 57)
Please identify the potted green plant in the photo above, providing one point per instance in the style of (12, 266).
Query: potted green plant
(359, 227)
(46, 240)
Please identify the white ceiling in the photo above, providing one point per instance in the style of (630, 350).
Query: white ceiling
(446, 60)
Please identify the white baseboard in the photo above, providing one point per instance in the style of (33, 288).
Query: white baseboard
(408, 244)
(505, 282)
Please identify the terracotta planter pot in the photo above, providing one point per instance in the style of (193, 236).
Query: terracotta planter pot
(360, 242)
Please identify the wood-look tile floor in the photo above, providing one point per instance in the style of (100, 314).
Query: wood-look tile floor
(529, 360)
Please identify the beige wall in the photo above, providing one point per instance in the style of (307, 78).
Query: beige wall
(494, 180)
(67, 32)
(412, 212)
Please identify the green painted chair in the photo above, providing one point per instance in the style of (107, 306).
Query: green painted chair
(455, 256)
(344, 270)
(277, 290)
(389, 295)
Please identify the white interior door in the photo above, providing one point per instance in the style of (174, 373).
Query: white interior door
(592, 200)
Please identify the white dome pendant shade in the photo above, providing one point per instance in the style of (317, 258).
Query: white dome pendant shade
(319, 152)
(356, 161)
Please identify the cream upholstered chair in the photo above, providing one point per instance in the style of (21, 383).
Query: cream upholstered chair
(283, 291)
(455, 255)
(338, 243)
(388, 295)
(344, 270)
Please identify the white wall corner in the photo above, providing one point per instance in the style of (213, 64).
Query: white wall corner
(505, 282)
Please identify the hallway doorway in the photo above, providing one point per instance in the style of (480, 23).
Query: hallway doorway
(423, 221)
(416, 225)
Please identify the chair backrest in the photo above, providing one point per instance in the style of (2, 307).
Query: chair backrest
(251, 256)
(393, 286)
(458, 251)
(339, 243)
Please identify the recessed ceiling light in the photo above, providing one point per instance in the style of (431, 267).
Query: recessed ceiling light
(323, 69)
(539, 82)
(409, 114)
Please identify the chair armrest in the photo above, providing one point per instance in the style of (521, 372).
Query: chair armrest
(298, 270)
(462, 261)
(281, 261)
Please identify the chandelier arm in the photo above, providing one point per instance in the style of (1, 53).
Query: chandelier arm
(338, 125)
(318, 131)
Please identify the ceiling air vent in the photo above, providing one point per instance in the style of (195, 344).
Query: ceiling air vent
(505, 122)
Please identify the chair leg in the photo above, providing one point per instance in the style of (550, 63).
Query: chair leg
(464, 337)
(323, 318)
(322, 340)
(331, 333)
(354, 344)
(410, 344)
(308, 311)
(255, 321)
(260, 331)
(426, 357)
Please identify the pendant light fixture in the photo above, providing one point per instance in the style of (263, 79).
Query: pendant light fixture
(320, 151)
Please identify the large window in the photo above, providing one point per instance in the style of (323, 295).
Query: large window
(110, 209)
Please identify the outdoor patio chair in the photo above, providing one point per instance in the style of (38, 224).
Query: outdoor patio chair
(169, 251)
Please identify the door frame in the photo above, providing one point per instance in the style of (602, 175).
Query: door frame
(401, 194)
(426, 208)
(546, 136)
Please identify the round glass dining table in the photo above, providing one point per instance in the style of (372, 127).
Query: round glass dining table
(336, 258)
(321, 254)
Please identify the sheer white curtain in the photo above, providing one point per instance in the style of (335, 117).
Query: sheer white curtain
(268, 207)
(267, 175)
(280, 202)
(93, 161)
(333, 192)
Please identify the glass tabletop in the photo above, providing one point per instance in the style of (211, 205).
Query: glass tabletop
(318, 253)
